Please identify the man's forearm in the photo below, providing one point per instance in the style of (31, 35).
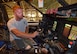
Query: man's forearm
(25, 35)
(22, 34)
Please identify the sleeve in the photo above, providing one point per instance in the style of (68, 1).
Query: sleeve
(11, 26)
(26, 23)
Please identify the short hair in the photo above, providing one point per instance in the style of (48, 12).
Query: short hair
(16, 7)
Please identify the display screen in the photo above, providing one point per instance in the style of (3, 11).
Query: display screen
(54, 26)
(66, 30)
(73, 33)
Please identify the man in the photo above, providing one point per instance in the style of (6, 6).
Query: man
(18, 29)
(18, 26)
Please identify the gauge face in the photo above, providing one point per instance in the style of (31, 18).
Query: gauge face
(73, 33)
(69, 46)
(66, 30)
(54, 26)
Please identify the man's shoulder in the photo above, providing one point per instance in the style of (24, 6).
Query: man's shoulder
(24, 19)
(11, 20)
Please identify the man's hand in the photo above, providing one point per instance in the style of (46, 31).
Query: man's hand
(35, 33)
(44, 50)
(28, 47)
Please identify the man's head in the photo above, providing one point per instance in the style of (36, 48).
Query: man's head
(18, 12)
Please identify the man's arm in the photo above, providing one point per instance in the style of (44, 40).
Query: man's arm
(27, 29)
(23, 34)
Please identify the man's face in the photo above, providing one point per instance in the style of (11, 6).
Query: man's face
(19, 13)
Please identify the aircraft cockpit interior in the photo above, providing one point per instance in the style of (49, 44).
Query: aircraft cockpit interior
(45, 26)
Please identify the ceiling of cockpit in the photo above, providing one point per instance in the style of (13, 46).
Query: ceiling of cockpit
(47, 3)
(53, 3)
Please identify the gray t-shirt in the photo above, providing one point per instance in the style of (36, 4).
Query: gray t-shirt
(20, 25)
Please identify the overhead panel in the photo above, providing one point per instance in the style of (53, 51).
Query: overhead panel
(63, 3)
(71, 1)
